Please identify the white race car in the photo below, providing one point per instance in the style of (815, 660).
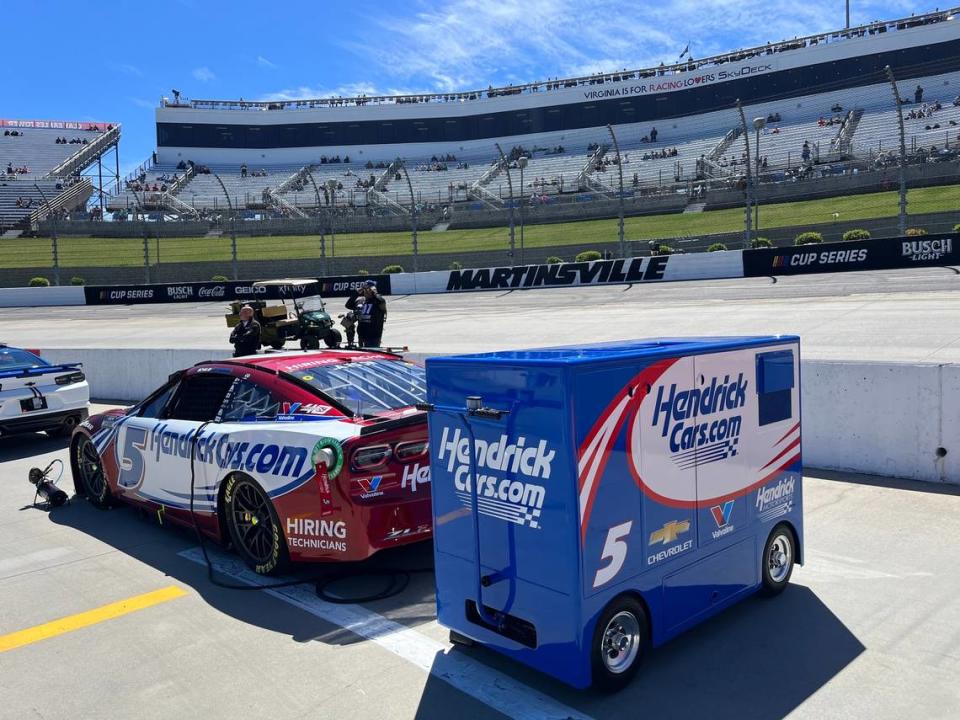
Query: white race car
(35, 395)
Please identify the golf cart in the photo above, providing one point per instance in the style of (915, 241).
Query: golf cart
(289, 310)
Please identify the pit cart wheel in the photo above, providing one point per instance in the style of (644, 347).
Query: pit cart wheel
(619, 643)
(309, 343)
(333, 338)
(66, 427)
(254, 526)
(277, 344)
(93, 480)
(778, 559)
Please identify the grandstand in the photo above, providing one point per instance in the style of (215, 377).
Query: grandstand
(42, 166)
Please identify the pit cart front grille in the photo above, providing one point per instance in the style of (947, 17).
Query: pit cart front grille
(518, 630)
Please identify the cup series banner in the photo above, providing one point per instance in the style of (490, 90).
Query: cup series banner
(879, 254)
(227, 291)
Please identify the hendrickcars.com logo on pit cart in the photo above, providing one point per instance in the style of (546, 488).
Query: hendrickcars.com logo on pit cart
(918, 250)
(516, 501)
(695, 438)
(827, 257)
(774, 501)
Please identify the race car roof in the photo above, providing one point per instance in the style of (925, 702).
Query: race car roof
(295, 360)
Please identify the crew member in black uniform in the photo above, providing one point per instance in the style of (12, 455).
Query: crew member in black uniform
(373, 314)
(246, 335)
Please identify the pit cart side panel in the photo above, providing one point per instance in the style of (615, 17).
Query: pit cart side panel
(527, 504)
(709, 442)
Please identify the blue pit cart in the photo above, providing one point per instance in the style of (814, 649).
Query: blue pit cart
(590, 502)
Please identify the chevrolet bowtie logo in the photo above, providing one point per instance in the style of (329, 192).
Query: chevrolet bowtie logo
(669, 532)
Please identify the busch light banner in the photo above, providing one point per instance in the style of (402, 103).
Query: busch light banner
(227, 291)
(879, 254)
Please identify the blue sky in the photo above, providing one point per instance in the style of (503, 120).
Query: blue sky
(128, 54)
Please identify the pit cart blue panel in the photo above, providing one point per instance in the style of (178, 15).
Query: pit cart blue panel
(650, 467)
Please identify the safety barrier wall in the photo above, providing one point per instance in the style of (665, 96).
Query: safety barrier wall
(877, 418)
(877, 254)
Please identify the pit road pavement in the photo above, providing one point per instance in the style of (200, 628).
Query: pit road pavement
(869, 628)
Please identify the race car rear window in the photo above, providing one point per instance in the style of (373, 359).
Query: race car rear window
(16, 359)
(369, 386)
(200, 397)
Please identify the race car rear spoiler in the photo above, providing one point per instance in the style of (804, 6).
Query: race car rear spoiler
(41, 370)
(416, 419)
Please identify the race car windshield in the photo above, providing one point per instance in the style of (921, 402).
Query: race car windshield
(369, 386)
(13, 359)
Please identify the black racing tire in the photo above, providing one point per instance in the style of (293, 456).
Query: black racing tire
(309, 343)
(620, 642)
(66, 428)
(277, 344)
(333, 338)
(254, 526)
(779, 557)
(90, 480)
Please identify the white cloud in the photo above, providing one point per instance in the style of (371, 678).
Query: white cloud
(128, 69)
(305, 92)
(468, 44)
(204, 74)
(264, 63)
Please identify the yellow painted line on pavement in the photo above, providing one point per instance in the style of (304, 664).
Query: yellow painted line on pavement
(90, 617)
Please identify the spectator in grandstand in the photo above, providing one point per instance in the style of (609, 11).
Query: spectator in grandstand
(243, 170)
(245, 337)
(653, 135)
(918, 95)
(805, 151)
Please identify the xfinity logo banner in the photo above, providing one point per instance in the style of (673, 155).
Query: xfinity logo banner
(879, 254)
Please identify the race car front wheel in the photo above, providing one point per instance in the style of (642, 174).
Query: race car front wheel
(254, 526)
(93, 480)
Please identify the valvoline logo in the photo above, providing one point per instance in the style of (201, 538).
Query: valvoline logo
(680, 416)
(721, 516)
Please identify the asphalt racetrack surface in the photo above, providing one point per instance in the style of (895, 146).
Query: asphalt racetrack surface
(902, 315)
(868, 628)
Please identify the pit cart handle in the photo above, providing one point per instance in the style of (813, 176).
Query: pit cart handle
(474, 408)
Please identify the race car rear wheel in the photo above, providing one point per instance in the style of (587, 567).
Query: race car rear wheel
(620, 641)
(254, 526)
(93, 480)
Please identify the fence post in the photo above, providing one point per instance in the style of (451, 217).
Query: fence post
(748, 207)
(903, 151)
(146, 254)
(413, 215)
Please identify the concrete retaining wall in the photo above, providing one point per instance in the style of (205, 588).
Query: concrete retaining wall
(877, 418)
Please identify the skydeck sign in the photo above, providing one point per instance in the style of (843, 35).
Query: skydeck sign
(681, 82)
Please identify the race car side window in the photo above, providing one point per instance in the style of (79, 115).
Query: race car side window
(154, 405)
(200, 396)
(248, 401)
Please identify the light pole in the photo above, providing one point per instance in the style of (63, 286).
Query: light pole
(323, 240)
(522, 162)
(413, 215)
(616, 147)
(748, 205)
(233, 227)
(506, 166)
(55, 250)
(758, 124)
(331, 200)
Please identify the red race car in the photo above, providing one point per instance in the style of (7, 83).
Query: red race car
(313, 456)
